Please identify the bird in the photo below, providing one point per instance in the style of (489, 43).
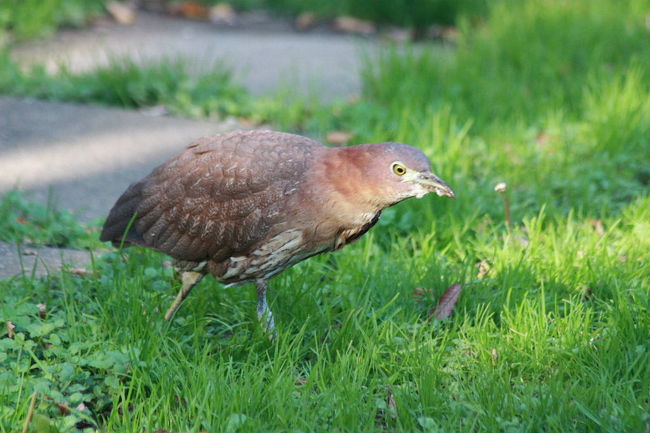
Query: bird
(244, 206)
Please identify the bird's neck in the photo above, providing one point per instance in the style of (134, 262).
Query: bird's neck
(347, 181)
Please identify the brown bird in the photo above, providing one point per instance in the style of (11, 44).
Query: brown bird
(246, 205)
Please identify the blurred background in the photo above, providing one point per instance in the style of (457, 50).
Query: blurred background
(492, 90)
(548, 98)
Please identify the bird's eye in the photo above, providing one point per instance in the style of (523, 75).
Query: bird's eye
(399, 169)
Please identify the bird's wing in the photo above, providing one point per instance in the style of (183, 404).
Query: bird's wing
(216, 199)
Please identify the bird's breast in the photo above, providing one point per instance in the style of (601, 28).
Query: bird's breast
(269, 258)
(351, 233)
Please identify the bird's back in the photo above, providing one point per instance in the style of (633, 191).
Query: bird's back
(217, 199)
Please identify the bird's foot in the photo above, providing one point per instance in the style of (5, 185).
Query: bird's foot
(267, 323)
(264, 314)
(190, 279)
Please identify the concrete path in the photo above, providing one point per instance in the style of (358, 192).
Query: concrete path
(263, 59)
(39, 261)
(85, 156)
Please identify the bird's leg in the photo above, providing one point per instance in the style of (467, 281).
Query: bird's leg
(189, 279)
(264, 313)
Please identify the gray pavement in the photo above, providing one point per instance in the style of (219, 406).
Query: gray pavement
(15, 261)
(85, 156)
(263, 59)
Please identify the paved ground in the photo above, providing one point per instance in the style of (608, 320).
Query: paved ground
(40, 261)
(264, 59)
(85, 156)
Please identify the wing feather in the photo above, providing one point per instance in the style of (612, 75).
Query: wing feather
(217, 198)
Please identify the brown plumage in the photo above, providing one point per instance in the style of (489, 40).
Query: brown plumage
(246, 205)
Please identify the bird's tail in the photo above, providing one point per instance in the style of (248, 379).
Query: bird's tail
(119, 227)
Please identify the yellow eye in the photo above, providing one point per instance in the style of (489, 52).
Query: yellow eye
(399, 169)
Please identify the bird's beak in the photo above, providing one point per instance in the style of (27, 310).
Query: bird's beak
(433, 183)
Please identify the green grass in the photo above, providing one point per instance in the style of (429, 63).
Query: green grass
(126, 84)
(554, 336)
(551, 332)
(169, 83)
(172, 84)
(408, 13)
(527, 59)
(27, 222)
(24, 19)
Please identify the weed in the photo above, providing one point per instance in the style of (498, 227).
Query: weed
(33, 18)
(33, 223)
(127, 84)
(409, 13)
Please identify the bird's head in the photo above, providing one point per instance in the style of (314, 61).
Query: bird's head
(392, 172)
